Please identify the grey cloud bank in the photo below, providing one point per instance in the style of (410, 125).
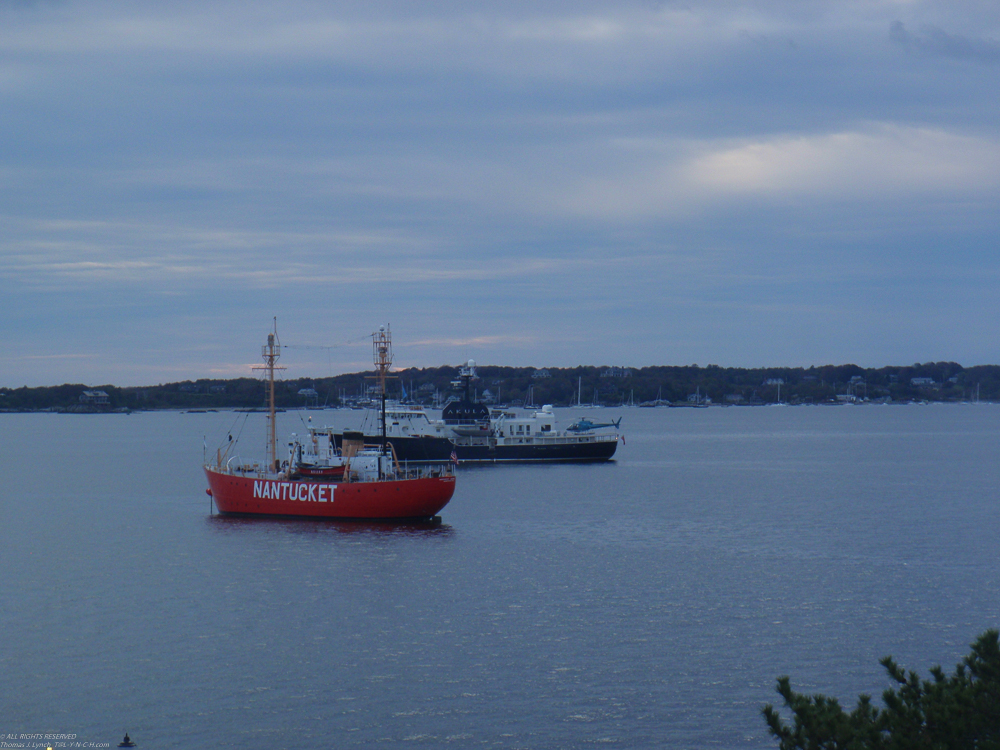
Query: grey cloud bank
(935, 41)
(545, 183)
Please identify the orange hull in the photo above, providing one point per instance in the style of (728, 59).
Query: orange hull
(390, 499)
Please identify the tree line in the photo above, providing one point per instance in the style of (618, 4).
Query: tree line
(518, 386)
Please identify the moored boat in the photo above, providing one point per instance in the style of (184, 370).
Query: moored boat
(413, 437)
(323, 481)
(535, 436)
(394, 496)
(483, 435)
(473, 433)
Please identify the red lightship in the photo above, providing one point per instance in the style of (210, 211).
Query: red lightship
(320, 480)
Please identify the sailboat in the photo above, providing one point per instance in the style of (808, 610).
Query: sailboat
(529, 402)
(658, 402)
(579, 396)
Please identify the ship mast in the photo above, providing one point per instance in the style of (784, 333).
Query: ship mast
(270, 353)
(382, 354)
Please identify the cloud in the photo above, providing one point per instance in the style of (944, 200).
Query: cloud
(462, 343)
(583, 43)
(572, 171)
(882, 162)
(933, 41)
(884, 159)
(165, 259)
(58, 356)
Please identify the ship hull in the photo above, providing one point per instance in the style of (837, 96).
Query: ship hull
(383, 500)
(488, 451)
(412, 448)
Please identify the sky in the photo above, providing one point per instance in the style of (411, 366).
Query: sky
(539, 183)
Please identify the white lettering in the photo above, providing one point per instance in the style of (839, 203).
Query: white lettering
(256, 489)
(312, 493)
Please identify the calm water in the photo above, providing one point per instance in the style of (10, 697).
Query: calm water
(646, 603)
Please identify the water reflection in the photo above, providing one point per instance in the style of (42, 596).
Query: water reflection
(431, 528)
(474, 466)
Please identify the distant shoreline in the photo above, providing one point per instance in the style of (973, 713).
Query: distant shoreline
(513, 387)
(126, 411)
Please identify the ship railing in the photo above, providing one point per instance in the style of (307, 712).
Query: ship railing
(399, 470)
(235, 467)
(420, 471)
